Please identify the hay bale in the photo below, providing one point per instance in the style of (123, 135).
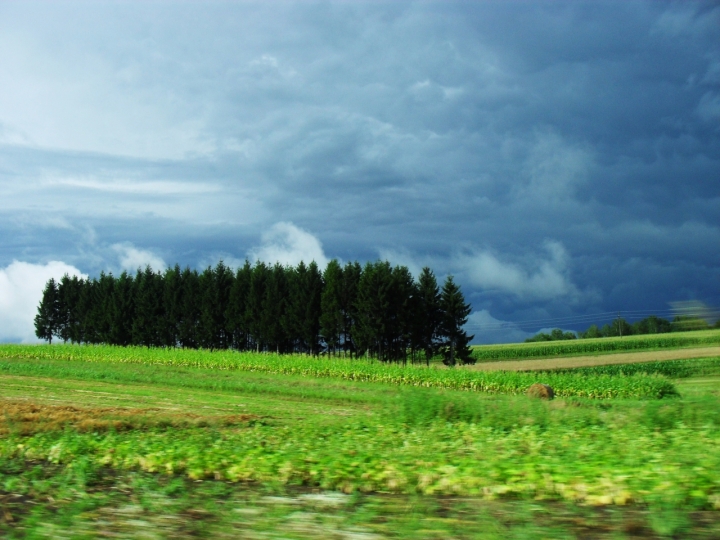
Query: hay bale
(542, 391)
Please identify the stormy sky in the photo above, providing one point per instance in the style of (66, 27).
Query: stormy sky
(560, 159)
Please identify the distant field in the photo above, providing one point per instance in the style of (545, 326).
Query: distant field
(568, 362)
(577, 347)
(98, 442)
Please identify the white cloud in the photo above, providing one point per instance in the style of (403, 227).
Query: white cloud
(265, 60)
(427, 90)
(229, 260)
(487, 329)
(21, 288)
(532, 278)
(544, 279)
(140, 188)
(287, 244)
(132, 258)
(403, 258)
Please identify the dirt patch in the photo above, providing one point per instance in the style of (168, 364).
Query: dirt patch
(26, 418)
(597, 360)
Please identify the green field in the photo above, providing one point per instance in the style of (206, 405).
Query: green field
(565, 384)
(674, 369)
(134, 442)
(575, 347)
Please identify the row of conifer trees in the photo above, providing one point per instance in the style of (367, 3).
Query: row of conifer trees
(377, 310)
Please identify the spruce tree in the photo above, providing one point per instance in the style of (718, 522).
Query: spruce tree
(215, 286)
(102, 307)
(206, 326)
(235, 313)
(69, 294)
(190, 308)
(255, 302)
(64, 308)
(149, 311)
(428, 316)
(311, 323)
(122, 311)
(454, 316)
(302, 314)
(172, 302)
(348, 299)
(373, 309)
(294, 307)
(402, 298)
(273, 308)
(224, 278)
(331, 313)
(47, 318)
(86, 311)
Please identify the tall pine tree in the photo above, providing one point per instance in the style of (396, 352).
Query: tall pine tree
(215, 287)
(454, 316)
(236, 311)
(255, 304)
(348, 302)
(373, 308)
(190, 308)
(122, 311)
(331, 316)
(172, 300)
(428, 316)
(47, 320)
(402, 308)
(69, 292)
(273, 309)
(149, 309)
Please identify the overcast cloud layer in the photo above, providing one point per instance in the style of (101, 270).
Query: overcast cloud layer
(559, 158)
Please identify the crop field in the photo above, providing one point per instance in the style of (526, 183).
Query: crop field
(565, 384)
(101, 441)
(676, 369)
(575, 347)
(620, 358)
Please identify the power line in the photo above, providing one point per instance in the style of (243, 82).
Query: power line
(558, 320)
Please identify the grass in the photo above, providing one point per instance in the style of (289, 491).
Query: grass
(92, 447)
(575, 347)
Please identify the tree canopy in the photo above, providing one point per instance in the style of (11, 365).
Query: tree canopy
(377, 310)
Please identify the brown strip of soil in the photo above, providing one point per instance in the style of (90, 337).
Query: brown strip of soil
(599, 360)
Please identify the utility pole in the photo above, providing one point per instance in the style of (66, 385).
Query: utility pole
(619, 325)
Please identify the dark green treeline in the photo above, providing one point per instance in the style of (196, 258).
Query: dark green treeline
(376, 310)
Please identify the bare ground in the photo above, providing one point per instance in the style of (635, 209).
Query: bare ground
(601, 360)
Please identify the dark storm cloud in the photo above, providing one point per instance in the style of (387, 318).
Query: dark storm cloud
(560, 158)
